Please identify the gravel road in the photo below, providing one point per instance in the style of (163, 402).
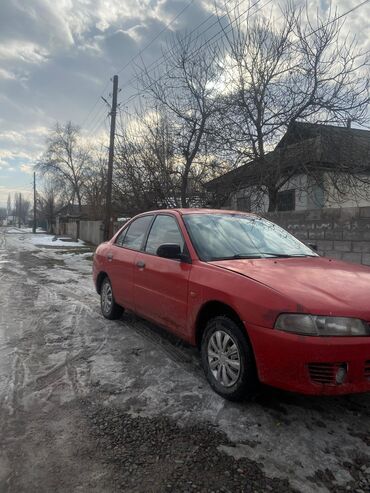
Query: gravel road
(92, 405)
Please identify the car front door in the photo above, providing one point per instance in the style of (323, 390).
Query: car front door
(121, 258)
(161, 284)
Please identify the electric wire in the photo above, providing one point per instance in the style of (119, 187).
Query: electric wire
(135, 56)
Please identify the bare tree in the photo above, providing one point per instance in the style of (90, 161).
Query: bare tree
(66, 160)
(50, 198)
(283, 70)
(3, 214)
(21, 208)
(184, 93)
(149, 170)
(95, 184)
(9, 206)
(146, 174)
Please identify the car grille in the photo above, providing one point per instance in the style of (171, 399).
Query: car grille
(367, 369)
(324, 373)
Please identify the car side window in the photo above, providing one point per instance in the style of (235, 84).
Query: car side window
(121, 237)
(136, 232)
(164, 230)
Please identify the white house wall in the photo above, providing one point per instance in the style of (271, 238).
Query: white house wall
(350, 199)
(260, 203)
(304, 196)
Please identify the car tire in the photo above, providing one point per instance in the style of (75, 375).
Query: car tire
(109, 307)
(228, 360)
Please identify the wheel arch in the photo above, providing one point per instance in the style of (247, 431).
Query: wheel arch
(212, 309)
(99, 281)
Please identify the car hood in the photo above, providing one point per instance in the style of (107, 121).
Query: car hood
(316, 285)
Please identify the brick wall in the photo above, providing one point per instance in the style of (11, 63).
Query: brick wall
(339, 233)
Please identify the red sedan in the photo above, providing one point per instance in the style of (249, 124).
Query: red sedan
(260, 305)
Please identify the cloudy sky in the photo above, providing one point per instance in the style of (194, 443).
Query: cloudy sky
(57, 57)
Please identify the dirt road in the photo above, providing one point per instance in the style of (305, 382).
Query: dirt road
(92, 405)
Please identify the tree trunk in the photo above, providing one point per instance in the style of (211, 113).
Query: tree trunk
(273, 195)
(184, 186)
(79, 210)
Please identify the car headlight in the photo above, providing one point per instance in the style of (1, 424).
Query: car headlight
(316, 325)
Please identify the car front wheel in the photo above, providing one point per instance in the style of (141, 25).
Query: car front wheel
(109, 307)
(228, 360)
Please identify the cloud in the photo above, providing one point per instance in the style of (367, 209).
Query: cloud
(6, 190)
(5, 74)
(23, 51)
(57, 57)
(27, 168)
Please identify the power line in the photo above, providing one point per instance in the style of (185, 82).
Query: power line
(344, 14)
(138, 54)
(98, 124)
(93, 106)
(222, 32)
(156, 37)
(95, 118)
(165, 58)
(157, 63)
(339, 17)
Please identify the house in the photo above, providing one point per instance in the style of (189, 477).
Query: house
(314, 166)
(70, 215)
(9, 220)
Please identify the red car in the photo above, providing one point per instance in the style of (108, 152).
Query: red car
(260, 305)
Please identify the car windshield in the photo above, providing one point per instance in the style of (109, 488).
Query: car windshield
(233, 236)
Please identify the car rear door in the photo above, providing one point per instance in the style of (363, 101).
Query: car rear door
(121, 258)
(161, 284)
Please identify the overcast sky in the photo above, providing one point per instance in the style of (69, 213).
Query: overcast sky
(57, 56)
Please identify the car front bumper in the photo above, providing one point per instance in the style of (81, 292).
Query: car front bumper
(310, 365)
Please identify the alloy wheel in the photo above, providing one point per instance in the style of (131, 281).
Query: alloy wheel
(107, 297)
(224, 358)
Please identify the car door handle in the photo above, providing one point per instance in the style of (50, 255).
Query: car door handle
(110, 257)
(140, 264)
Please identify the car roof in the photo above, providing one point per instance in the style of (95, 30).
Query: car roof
(185, 211)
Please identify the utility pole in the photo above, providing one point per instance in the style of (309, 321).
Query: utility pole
(20, 210)
(34, 203)
(108, 202)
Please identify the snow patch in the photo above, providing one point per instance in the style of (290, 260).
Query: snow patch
(51, 241)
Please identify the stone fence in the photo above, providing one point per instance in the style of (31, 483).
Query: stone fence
(90, 231)
(338, 233)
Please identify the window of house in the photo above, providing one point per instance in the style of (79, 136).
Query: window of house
(318, 196)
(136, 231)
(164, 230)
(243, 204)
(286, 200)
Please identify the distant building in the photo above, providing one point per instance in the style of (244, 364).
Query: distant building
(9, 221)
(70, 213)
(306, 150)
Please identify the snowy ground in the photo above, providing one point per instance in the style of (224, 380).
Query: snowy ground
(92, 405)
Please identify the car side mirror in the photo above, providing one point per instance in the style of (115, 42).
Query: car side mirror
(169, 250)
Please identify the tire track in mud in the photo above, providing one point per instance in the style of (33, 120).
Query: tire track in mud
(12, 400)
(67, 338)
(49, 315)
(55, 344)
(175, 349)
(50, 377)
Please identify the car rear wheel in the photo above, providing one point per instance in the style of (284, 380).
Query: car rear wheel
(109, 307)
(228, 360)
